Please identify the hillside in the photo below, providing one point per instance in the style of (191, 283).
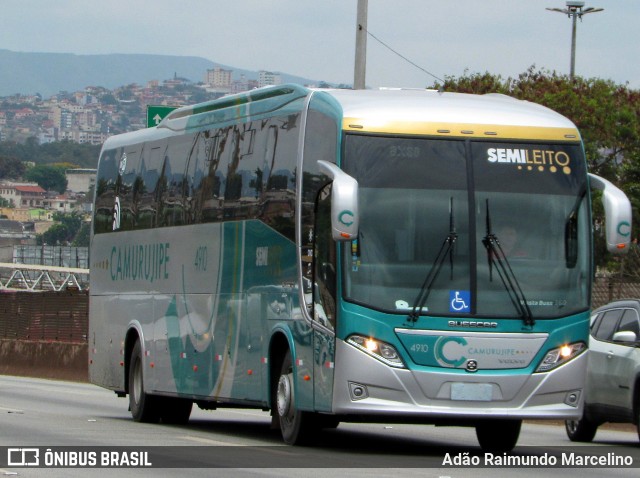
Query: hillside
(50, 73)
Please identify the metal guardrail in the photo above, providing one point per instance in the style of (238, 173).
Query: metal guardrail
(37, 278)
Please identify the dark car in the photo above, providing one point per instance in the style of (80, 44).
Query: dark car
(612, 391)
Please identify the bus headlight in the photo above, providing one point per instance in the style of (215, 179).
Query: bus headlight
(560, 355)
(383, 351)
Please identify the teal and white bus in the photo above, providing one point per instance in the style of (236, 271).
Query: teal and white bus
(336, 255)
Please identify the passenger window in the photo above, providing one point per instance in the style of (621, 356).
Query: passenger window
(608, 324)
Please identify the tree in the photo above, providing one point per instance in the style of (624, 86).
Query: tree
(82, 236)
(607, 115)
(51, 178)
(64, 230)
(11, 168)
(78, 155)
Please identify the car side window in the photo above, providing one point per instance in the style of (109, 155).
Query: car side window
(608, 324)
(630, 322)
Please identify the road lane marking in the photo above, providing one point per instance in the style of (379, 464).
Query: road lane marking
(209, 441)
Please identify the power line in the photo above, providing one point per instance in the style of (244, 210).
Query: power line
(402, 56)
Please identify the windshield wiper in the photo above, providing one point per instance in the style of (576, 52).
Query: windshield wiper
(445, 249)
(571, 232)
(496, 257)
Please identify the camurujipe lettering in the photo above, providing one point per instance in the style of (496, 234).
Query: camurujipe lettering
(140, 262)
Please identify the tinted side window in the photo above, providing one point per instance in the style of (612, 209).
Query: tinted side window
(105, 191)
(608, 324)
(629, 322)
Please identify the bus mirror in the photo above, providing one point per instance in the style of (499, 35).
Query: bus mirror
(617, 211)
(344, 202)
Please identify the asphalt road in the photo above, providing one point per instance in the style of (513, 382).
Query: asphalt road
(71, 420)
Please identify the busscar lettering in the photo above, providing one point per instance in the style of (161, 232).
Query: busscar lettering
(140, 262)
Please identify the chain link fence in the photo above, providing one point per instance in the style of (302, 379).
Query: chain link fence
(60, 256)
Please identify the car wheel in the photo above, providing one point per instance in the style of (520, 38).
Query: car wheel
(582, 430)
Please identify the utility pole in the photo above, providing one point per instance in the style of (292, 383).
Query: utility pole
(361, 46)
(574, 11)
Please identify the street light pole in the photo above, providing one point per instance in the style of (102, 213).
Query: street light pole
(574, 11)
(361, 46)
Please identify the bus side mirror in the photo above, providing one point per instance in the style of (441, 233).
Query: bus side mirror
(617, 211)
(344, 202)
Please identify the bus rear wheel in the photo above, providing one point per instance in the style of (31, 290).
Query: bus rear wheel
(143, 407)
(297, 427)
(498, 436)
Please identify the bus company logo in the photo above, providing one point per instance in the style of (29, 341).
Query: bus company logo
(531, 159)
(449, 351)
(116, 214)
(346, 217)
(454, 352)
(624, 229)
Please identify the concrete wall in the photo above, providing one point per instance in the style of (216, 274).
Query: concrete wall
(52, 360)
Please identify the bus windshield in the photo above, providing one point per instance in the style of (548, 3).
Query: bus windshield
(430, 207)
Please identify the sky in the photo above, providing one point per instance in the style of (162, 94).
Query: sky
(316, 39)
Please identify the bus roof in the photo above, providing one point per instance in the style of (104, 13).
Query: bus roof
(384, 111)
(429, 112)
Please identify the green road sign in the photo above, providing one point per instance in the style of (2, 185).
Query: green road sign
(156, 113)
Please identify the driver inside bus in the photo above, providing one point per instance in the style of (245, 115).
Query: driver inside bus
(508, 239)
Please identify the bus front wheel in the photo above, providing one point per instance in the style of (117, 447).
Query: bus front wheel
(296, 426)
(143, 407)
(498, 436)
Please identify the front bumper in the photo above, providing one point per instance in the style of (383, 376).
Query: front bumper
(364, 386)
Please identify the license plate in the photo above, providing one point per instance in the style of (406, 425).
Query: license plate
(478, 392)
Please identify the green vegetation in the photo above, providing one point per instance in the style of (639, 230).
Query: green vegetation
(67, 152)
(607, 115)
(65, 230)
(49, 178)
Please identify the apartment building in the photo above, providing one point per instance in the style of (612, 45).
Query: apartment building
(23, 194)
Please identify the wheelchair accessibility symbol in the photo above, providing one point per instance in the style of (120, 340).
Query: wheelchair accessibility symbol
(460, 301)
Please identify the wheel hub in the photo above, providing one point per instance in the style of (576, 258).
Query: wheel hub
(284, 395)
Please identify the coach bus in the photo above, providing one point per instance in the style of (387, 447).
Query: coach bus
(390, 256)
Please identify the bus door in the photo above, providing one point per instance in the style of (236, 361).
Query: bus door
(324, 302)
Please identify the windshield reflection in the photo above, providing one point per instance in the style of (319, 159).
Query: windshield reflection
(408, 233)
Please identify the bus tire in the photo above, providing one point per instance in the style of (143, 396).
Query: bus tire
(498, 435)
(144, 407)
(297, 427)
(582, 430)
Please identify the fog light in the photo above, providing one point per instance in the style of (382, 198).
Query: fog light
(358, 391)
(573, 398)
